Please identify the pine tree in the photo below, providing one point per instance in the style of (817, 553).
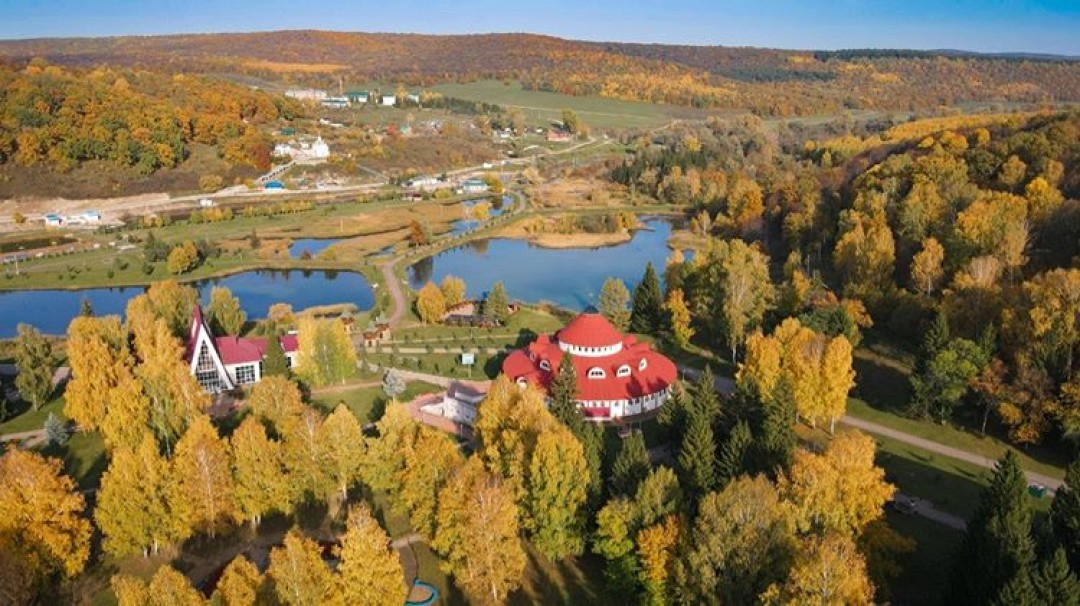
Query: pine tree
(776, 437)
(86, 308)
(631, 465)
(732, 459)
(673, 414)
(647, 311)
(697, 458)
(706, 400)
(1065, 514)
(564, 395)
(56, 431)
(1056, 584)
(275, 364)
(997, 547)
(1019, 591)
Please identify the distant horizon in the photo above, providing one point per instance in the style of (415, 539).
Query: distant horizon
(569, 39)
(1038, 27)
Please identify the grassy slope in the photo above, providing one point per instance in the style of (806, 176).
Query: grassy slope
(541, 108)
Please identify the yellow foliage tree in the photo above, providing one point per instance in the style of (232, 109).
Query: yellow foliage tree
(453, 290)
(430, 461)
(557, 488)
(656, 551)
(97, 351)
(276, 400)
(681, 330)
(838, 491)
(307, 456)
(827, 572)
(239, 584)
(167, 588)
(926, 267)
(182, 258)
(261, 483)
(326, 353)
(301, 577)
(370, 571)
(344, 438)
(42, 528)
(478, 534)
(132, 507)
(430, 303)
(201, 486)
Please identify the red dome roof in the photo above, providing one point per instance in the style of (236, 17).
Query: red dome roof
(590, 330)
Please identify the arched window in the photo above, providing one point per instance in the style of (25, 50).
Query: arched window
(597, 373)
(545, 365)
(624, 371)
(642, 365)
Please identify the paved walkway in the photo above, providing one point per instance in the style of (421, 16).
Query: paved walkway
(942, 449)
(926, 509)
(26, 439)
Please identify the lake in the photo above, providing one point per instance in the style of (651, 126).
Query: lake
(311, 246)
(50, 311)
(570, 278)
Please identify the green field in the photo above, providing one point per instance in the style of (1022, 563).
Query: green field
(542, 108)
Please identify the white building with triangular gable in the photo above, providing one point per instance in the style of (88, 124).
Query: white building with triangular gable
(224, 363)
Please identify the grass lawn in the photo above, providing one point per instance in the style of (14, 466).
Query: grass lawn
(542, 108)
(30, 420)
(83, 456)
(368, 403)
(925, 573)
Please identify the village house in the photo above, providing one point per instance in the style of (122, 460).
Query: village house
(389, 100)
(306, 94)
(474, 186)
(226, 362)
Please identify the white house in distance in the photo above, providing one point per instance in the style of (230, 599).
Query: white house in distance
(474, 186)
(389, 100)
(223, 363)
(304, 150)
(306, 94)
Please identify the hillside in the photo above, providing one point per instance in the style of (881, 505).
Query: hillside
(768, 82)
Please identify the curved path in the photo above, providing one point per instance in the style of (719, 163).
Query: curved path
(391, 282)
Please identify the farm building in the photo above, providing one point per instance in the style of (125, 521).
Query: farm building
(474, 186)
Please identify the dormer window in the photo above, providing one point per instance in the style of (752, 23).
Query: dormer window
(597, 373)
(624, 371)
(642, 365)
(545, 365)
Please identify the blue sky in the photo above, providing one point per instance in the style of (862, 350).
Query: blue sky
(1051, 26)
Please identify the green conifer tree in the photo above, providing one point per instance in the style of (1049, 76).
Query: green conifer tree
(706, 400)
(1056, 584)
(733, 454)
(647, 310)
(697, 458)
(1065, 514)
(497, 304)
(776, 438)
(275, 364)
(631, 465)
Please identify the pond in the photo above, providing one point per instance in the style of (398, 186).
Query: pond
(50, 311)
(570, 278)
(467, 224)
(311, 246)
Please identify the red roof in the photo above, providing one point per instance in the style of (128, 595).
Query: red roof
(241, 350)
(658, 372)
(590, 330)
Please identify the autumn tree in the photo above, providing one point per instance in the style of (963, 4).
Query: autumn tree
(508, 427)
(613, 301)
(571, 122)
(306, 455)
(183, 258)
(557, 488)
(97, 351)
(370, 571)
(260, 480)
(300, 576)
(35, 363)
(946, 377)
(240, 584)
(497, 304)
(731, 290)
(679, 314)
(276, 401)
(840, 490)
(656, 546)
(477, 533)
(168, 300)
(224, 313)
(865, 253)
(927, 267)
(133, 510)
(743, 540)
(201, 487)
(430, 303)
(430, 460)
(42, 528)
(166, 588)
(175, 397)
(385, 463)
(830, 570)
(647, 310)
(326, 354)
(344, 438)
(453, 290)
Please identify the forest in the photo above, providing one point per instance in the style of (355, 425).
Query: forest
(61, 118)
(764, 81)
